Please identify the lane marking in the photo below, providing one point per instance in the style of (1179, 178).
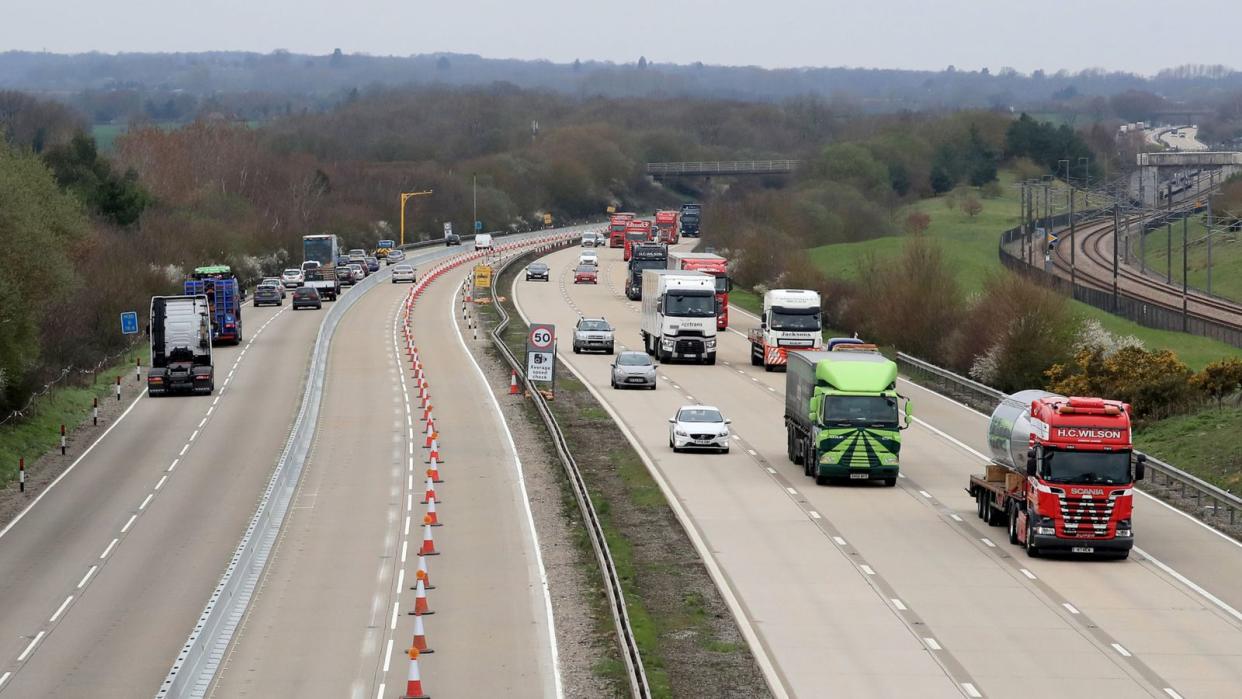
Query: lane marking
(988, 542)
(146, 501)
(931, 643)
(839, 541)
(202, 422)
(925, 494)
(387, 657)
(128, 524)
(1167, 690)
(866, 569)
(404, 546)
(971, 691)
(60, 610)
(194, 435)
(1121, 649)
(954, 517)
(791, 491)
(1070, 608)
(1028, 573)
(392, 625)
(108, 549)
(173, 465)
(160, 483)
(814, 514)
(87, 577)
(184, 449)
(5, 678)
(33, 642)
(898, 604)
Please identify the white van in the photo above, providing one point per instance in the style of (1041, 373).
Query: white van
(483, 241)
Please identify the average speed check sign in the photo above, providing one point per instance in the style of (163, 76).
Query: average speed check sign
(540, 351)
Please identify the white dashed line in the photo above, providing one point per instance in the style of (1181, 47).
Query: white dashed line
(146, 501)
(401, 579)
(791, 491)
(925, 494)
(1070, 608)
(5, 678)
(1028, 573)
(931, 643)
(33, 642)
(128, 524)
(988, 542)
(1167, 690)
(184, 449)
(173, 465)
(898, 604)
(839, 541)
(209, 411)
(387, 658)
(752, 452)
(866, 569)
(404, 546)
(87, 577)
(1121, 649)
(194, 435)
(814, 514)
(771, 470)
(160, 483)
(201, 423)
(971, 691)
(954, 517)
(392, 625)
(108, 549)
(60, 610)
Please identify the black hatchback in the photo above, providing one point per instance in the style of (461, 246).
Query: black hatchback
(306, 297)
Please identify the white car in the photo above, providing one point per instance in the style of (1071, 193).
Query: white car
(402, 273)
(292, 278)
(699, 427)
(274, 281)
(592, 240)
(588, 257)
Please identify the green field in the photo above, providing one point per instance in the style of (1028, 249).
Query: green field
(1204, 443)
(969, 245)
(1226, 257)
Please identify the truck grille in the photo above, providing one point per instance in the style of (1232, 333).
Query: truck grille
(688, 347)
(1086, 516)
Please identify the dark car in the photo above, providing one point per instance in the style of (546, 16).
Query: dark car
(306, 297)
(586, 274)
(266, 294)
(538, 270)
(345, 276)
(373, 264)
(452, 239)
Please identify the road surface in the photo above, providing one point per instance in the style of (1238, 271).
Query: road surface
(903, 592)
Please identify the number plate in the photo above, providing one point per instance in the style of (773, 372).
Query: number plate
(860, 476)
(1083, 549)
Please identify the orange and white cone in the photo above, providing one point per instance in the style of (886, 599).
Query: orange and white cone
(420, 601)
(435, 451)
(413, 682)
(433, 472)
(429, 545)
(420, 636)
(431, 517)
(430, 493)
(431, 431)
(513, 384)
(427, 413)
(423, 575)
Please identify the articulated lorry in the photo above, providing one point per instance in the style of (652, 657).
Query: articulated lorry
(679, 315)
(644, 256)
(666, 227)
(223, 294)
(708, 263)
(790, 322)
(616, 229)
(691, 215)
(1062, 474)
(841, 414)
(180, 346)
(636, 232)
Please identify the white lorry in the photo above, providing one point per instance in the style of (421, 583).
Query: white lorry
(679, 315)
(180, 346)
(791, 321)
(483, 241)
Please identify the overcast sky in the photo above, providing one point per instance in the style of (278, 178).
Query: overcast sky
(1134, 35)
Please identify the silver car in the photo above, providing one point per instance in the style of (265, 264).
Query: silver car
(634, 369)
(593, 334)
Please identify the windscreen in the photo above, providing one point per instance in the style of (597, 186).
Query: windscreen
(699, 415)
(795, 319)
(634, 359)
(722, 284)
(1104, 467)
(636, 235)
(593, 325)
(689, 306)
(318, 249)
(638, 265)
(872, 411)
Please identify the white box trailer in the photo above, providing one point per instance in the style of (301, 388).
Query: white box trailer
(180, 346)
(679, 315)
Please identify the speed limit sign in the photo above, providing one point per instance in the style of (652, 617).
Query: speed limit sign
(541, 352)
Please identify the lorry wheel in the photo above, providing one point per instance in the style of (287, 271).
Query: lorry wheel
(822, 480)
(979, 504)
(1013, 524)
(755, 360)
(664, 356)
(1031, 549)
(711, 359)
(576, 350)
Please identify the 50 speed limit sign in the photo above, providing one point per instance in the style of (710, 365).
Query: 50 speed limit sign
(541, 352)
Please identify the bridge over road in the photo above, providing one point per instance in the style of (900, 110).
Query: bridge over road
(722, 168)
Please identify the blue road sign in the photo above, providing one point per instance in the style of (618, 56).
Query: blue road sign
(129, 323)
(478, 225)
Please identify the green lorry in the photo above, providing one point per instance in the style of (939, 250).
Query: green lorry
(841, 414)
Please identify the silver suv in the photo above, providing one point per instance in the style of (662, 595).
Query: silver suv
(593, 334)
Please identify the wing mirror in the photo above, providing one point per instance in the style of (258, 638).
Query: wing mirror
(1031, 465)
(909, 415)
(728, 422)
(1140, 466)
(671, 420)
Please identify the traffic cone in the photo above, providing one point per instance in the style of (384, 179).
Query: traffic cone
(414, 683)
(422, 575)
(429, 545)
(433, 472)
(430, 493)
(430, 517)
(431, 433)
(420, 636)
(426, 413)
(435, 451)
(513, 384)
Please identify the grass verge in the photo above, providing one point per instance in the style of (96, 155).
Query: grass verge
(38, 432)
(1204, 443)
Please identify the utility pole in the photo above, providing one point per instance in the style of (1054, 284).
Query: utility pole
(1072, 241)
(474, 203)
(1209, 242)
(1169, 233)
(1069, 191)
(1185, 276)
(1116, 223)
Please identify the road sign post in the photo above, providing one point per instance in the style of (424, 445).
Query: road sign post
(129, 323)
(541, 354)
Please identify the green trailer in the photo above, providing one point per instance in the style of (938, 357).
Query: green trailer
(841, 415)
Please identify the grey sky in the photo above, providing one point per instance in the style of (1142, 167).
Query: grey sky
(1136, 35)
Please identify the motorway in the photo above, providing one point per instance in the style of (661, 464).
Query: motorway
(904, 592)
(106, 574)
(338, 583)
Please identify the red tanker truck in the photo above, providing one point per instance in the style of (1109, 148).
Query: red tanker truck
(1062, 474)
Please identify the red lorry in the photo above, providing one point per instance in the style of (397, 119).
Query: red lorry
(635, 232)
(708, 263)
(616, 229)
(1062, 474)
(666, 227)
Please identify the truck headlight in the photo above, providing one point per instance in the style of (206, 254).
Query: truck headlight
(1124, 528)
(888, 459)
(711, 343)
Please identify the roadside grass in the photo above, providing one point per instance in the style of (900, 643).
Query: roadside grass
(1204, 443)
(1226, 257)
(39, 432)
(659, 569)
(970, 247)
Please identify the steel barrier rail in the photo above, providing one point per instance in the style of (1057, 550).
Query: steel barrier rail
(724, 167)
(637, 675)
(1211, 504)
